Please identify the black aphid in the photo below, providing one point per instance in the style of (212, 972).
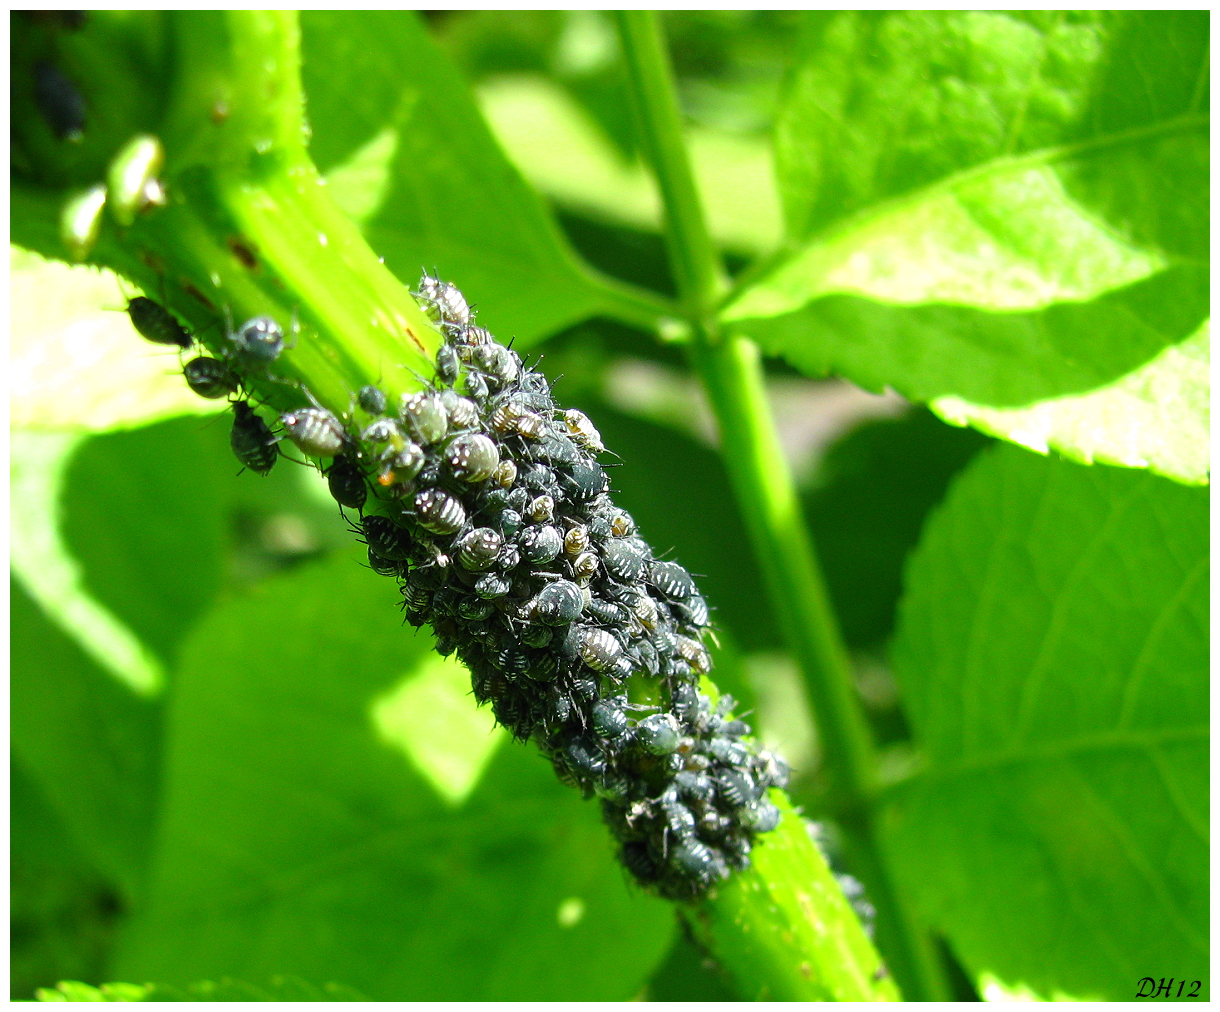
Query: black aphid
(253, 442)
(347, 483)
(155, 323)
(210, 377)
(372, 399)
(59, 101)
(509, 545)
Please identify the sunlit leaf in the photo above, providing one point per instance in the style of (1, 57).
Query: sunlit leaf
(1053, 661)
(296, 839)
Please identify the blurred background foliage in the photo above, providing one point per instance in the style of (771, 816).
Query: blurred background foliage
(247, 596)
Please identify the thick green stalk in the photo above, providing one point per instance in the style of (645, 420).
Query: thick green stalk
(250, 228)
(731, 370)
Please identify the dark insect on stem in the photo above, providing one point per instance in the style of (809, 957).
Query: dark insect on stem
(347, 483)
(155, 323)
(253, 442)
(210, 378)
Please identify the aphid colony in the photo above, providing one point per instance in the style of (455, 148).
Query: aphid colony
(496, 521)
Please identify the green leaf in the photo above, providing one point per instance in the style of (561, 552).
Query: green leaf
(299, 838)
(1158, 417)
(89, 742)
(61, 908)
(154, 565)
(1053, 660)
(564, 153)
(408, 155)
(874, 490)
(994, 211)
(884, 103)
(279, 988)
(77, 364)
(52, 576)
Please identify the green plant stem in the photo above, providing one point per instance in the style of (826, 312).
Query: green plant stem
(731, 370)
(240, 179)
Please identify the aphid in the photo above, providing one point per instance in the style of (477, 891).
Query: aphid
(511, 662)
(252, 440)
(658, 734)
(463, 413)
(557, 603)
(684, 698)
(606, 612)
(315, 431)
(416, 603)
(576, 541)
(472, 457)
(557, 448)
(735, 787)
(541, 510)
(583, 431)
(386, 538)
(538, 478)
(478, 549)
(772, 770)
(695, 654)
(473, 336)
(761, 817)
(426, 416)
(447, 364)
(475, 609)
(536, 636)
(155, 323)
(372, 399)
(679, 819)
(584, 567)
(210, 378)
(622, 526)
(695, 787)
(645, 610)
(439, 512)
(692, 612)
(444, 303)
(583, 481)
(599, 649)
(599, 528)
(504, 419)
(475, 387)
(347, 484)
(259, 339)
(696, 860)
(671, 580)
(625, 560)
(498, 364)
(540, 545)
(404, 465)
(531, 425)
(492, 585)
(59, 101)
(506, 474)
(383, 430)
(382, 567)
(608, 720)
(645, 657)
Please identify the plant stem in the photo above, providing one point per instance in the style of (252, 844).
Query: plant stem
(731, 370)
